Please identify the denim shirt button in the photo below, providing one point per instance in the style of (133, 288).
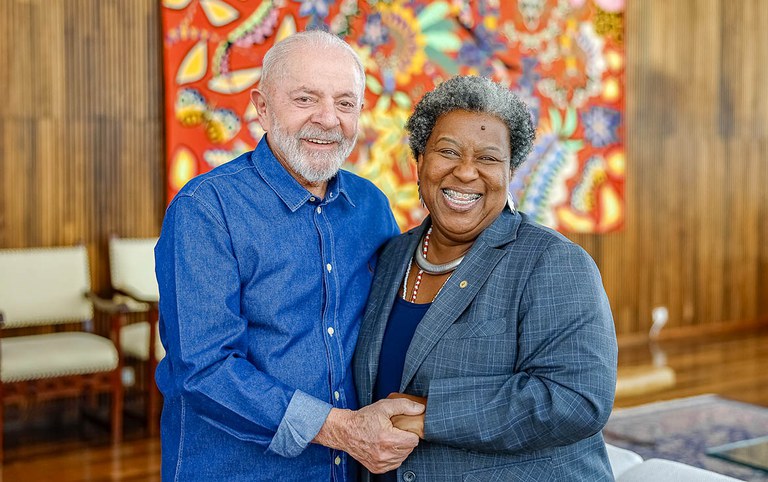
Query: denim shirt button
(330, 330)
(319, 210)
(336, 395)
(337, 460)
(409, 476)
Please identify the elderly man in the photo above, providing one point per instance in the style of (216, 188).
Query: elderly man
(264, 266)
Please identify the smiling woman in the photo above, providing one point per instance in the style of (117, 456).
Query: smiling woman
(500, 326)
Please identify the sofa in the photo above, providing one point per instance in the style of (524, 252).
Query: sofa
(628, 466)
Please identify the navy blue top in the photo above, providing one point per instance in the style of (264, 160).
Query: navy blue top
(403, 320)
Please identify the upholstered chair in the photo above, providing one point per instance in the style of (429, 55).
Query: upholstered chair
(47, 347)
(132, 274)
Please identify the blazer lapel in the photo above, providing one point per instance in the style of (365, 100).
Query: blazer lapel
(393, 271)
(459, 291)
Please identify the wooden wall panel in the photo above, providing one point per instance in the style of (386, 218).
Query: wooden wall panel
(695, 237)
(82, 142)
(81, 145)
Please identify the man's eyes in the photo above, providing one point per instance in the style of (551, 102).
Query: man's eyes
(344, 104)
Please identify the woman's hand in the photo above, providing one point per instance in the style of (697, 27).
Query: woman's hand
(368, 434)
(410, 423)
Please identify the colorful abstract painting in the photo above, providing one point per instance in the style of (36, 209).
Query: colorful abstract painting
(565, 58)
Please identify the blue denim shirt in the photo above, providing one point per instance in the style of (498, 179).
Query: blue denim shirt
(262, 289)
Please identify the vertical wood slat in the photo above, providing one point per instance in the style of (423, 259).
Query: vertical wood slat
(82, 150)
(695, 237)
(80, 158)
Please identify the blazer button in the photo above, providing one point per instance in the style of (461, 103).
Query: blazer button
(409, 476)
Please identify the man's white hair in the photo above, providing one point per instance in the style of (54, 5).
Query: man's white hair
(316, 40)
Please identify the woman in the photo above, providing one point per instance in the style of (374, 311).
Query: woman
(499, 325)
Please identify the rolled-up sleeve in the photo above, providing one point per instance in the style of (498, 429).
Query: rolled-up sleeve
(301, 423)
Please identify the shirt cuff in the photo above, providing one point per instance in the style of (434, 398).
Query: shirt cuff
(300, 424)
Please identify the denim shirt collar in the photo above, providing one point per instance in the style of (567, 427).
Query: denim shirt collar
(287, 188)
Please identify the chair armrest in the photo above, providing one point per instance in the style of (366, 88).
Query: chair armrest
(134, 305)
(136, 299)
(109, 306)
(117, 312)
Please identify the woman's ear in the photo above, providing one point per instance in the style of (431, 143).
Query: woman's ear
(419, 163)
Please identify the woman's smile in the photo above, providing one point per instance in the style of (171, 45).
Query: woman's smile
(460, 201)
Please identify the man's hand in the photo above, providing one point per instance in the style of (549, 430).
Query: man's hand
(410, 423)
(369, 436)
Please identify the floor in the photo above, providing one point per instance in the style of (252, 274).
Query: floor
(733, 365)
(55, 445)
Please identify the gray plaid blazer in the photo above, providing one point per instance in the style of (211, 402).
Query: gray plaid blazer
(517, 357)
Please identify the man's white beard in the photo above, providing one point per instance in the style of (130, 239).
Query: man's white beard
(312, 165)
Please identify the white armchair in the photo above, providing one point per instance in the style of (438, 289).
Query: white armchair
(628, 466)
(132, 275)
(40, 288)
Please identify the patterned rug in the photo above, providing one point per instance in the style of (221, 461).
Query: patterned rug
(685, 428)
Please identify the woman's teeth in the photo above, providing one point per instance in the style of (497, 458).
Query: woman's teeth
(460, 197)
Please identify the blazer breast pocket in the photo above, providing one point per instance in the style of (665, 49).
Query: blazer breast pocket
(476, 328)
(528, 471)
(487, 347)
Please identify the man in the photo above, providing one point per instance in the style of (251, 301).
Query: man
(264, 266)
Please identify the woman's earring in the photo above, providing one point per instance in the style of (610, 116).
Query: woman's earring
(511, 203)
(421, 199)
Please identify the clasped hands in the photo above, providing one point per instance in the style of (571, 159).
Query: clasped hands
(381, 435)
(409, 423)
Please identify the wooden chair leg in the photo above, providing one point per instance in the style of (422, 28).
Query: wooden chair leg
(153, 408)
(117, 321)
(116, 415)
(2, 425)
(2, 405)
(151, 391)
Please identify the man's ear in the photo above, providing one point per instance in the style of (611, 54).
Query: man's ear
(259, 101)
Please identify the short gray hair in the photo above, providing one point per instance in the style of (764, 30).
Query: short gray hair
(317, 40)
(474, 94)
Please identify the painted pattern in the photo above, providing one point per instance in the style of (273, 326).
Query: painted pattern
(565, 58)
